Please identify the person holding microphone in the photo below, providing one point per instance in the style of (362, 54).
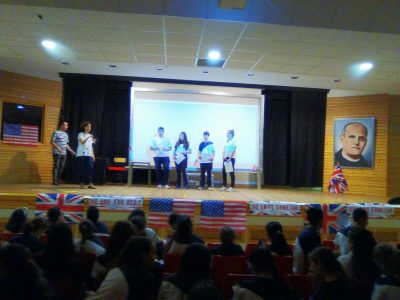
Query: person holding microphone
(228, 165)
(85, 155)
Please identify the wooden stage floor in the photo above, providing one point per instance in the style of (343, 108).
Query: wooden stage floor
(303, 195)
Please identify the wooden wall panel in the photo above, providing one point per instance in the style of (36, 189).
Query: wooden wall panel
(361, 181)
(393, 174)
(20, 164)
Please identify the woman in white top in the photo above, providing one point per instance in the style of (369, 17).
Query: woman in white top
(228, 157)
(85, 155)
(181, 159)
(89, 243)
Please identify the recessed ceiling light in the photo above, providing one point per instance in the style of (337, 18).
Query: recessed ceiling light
(250, 74)
(214, 54)
(159, 68)
(366, 66)
(337, 80)
(20, 107)
(294, 77)
(49, 44)
(205, 71)
(112, 66)
(65, 63)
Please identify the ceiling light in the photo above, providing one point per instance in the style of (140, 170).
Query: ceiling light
(65, 63)
(365, 66)
(214, 55)
(159, 69)
(20, 107)
(112, 66)
(337, 80)
(250, 74)
(294, 77)
(205, 72)
(48, 44)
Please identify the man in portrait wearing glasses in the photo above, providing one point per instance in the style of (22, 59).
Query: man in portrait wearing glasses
(354, 138)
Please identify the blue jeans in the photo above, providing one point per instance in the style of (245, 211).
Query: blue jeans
(162, 170)
(85, 166)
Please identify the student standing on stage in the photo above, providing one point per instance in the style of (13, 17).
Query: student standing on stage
(85, 155)
(206, 157)
(228, 155)
(59, 142)
(181, 159)
(161, 147)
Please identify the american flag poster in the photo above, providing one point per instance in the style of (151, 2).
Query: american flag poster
(18, 134)
(218, 213)
(160, 208)
(70, 205)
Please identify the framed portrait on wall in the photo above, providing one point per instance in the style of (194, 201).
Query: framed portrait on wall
(354, 142)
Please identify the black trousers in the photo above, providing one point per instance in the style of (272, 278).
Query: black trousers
(205, 167)
(162, 170)
(232, 174)
(181, 172)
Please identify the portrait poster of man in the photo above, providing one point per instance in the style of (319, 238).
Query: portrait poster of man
(354, 142)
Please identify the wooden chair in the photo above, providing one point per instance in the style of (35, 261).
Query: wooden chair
(301, 284)
(230, 281)
(223, 265)
(172, 263)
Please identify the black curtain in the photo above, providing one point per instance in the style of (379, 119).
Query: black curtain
(104, 103)
(294, 130)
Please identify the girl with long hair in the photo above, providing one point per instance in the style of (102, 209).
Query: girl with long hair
(181, 159)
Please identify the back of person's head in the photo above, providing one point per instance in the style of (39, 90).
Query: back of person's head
(360, 216)
(315, 216)
(183, 230)
(394, 200)
(120, 234)
(196, 261)
(261, 261)
(278, 241)
(17, 220)
(93, 214)
(227, 235)
(54, 214)
(204, 289)
(383, 254)
(35, 226)
(138, 213)
(60, 240)
(172, 219)
(362, 245)
(137, 253)
(326, 264)
(139, 223)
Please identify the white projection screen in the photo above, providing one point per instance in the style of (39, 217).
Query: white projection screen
(195, 109)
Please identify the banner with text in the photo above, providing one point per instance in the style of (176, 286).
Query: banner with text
(111, 202)
(263, 208)
(375, 211)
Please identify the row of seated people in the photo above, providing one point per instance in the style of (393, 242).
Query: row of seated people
(126, 269)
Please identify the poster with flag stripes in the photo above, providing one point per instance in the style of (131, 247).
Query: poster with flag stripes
(70, 205)
(218, 213)
(160, 208)
(20, 135)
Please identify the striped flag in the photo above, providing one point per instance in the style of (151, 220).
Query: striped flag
(19, 134)
(337, 183)
(160, 208)
(218, 213)
(70, 205)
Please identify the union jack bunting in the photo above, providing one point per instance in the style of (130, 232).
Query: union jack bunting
(160, 208)
(337, 183)
(70, 205)
(331, 217)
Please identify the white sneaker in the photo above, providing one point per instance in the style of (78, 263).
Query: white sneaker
(223, 189)
(199, 188)
(167, 187)
(159, 186)
(231, 189)
(210, 188)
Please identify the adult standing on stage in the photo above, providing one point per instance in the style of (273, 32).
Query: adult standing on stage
(85, 155)
(206, 158)
(181, 159)
(161, 147)
(59, 141)
(228, 157)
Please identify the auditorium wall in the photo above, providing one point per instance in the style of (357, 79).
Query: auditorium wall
(383, 179)
(19, 164)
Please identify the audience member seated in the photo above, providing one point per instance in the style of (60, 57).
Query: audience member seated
(359, 264)
(228, 247)
(89, 243)
(93, 215)
(150, 233)
(60, 263)
(30, 237)
(183, 236)
(172, 220)
(308, 239)
(387, 287)
(331, 281)
(132, 277)
(120, 234)
(54, 215)
(195, 267)
(278, 245)
(20, 278)
(394, 200)
(204, 290)
(266, 284)
(360, 219)
(17, 220)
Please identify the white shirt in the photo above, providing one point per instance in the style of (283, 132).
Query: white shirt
(114, 286)
(89, 247)
(162, 142)
(229, 148)
(343, 242)
(85, 149)
(298, 258)
(207, 153)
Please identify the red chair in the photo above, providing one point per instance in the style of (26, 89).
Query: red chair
(329, 244)
(212, 245)
(105, 238)
(302, 284)
(88, 260)
(223, 265)
(6, 236)
(249, 249)
(230, 281)
(44, 238)
(284, 264)
(291, 247)
(172, 263)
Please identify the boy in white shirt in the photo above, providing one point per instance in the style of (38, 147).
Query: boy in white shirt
(161, 147)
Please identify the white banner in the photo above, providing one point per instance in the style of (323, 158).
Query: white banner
(275, 208)
(377, 211)
(110, 202)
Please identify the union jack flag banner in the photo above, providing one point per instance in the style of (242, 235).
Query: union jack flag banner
(70, 205)
(333, 217)
(337, 183)
(218, 213)
(160, 208)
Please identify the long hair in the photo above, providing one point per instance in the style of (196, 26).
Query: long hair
(60, 241)
(184, 142)
(327, 262)
(17, 219)
(184, 232)
(86, 229)
(120, 234)
(261, 260)
(134, 253)
(278, 241)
